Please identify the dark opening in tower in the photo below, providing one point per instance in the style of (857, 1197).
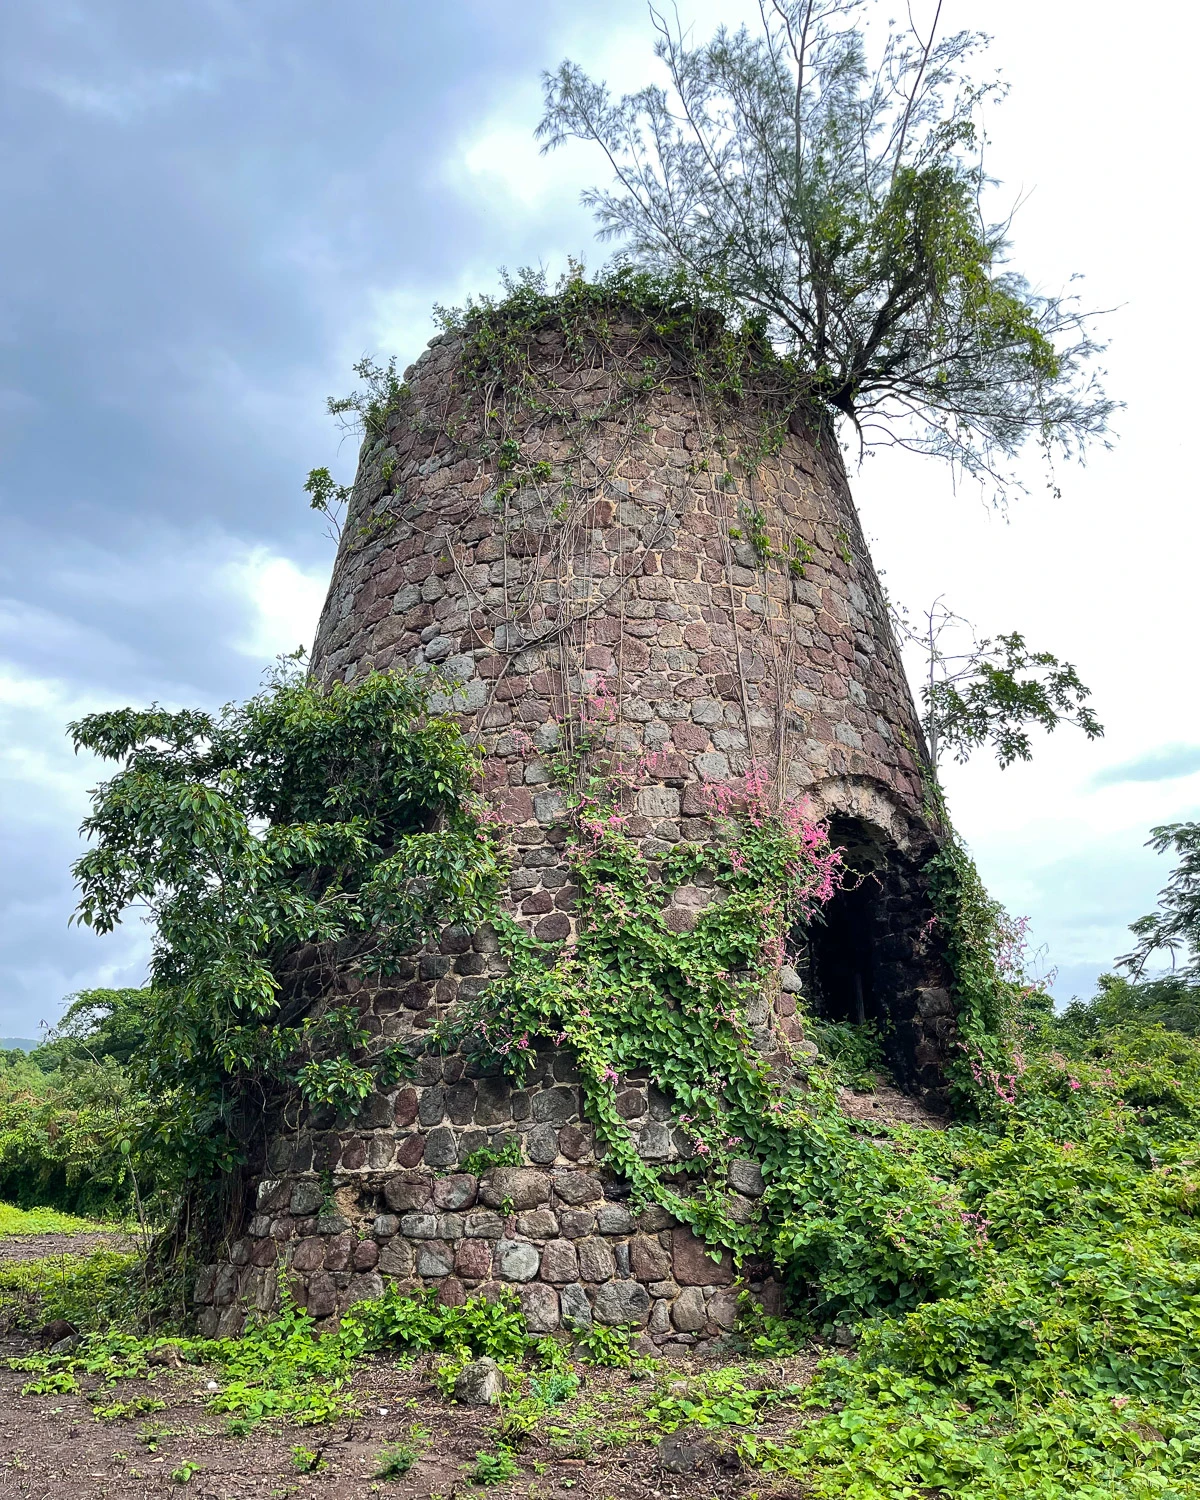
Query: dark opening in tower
(842, 956)
(867, 959)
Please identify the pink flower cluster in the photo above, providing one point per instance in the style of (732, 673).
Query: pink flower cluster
(1003, 1085)
(976, 1224)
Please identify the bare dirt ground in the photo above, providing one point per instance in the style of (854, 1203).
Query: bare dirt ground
(38, 1246)
(886, 1105)
(56, 1448)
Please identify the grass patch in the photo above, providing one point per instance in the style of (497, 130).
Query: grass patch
(15, 1220)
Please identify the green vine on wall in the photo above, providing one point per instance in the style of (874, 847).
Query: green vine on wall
(848, 1220)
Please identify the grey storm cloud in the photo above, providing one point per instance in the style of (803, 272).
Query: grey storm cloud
(201, 201)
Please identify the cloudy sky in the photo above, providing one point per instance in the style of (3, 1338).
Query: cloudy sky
(212, 208)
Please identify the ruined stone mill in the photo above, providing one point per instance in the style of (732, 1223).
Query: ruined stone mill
(529, 602)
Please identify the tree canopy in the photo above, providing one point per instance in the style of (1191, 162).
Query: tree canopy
(337, 816)
(1174, 928)
(836, 195)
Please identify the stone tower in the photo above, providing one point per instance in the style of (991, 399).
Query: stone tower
(597, 554)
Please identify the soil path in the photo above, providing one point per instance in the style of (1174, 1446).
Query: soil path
(39, 1246)
(58, 1448)
(138, 1439)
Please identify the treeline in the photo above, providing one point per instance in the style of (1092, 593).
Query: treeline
(71, 1112)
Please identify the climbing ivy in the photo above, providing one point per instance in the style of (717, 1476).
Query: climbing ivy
(854, 1226)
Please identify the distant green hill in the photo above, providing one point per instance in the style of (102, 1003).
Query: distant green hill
(8, 1043)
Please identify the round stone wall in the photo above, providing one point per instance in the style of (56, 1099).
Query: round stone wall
(596, 577)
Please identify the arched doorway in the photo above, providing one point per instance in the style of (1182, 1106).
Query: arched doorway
(871, 959)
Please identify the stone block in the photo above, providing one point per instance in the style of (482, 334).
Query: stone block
(366, 1256)
(515, 1261)
(578, 1188)
(575, 1308)
(451, 1292)
(493, 1102)
(934, 1002)
(306, 1198)
(537, 1224)
(404, 1111)
(722, 1309)
(419, 1226)
(621, 1302)
(484, 1225)
(541, 1145)
(576, 1222)
(434, 1258)
(613, 1218)
(648, 1260)
(204, 1285)
(658, 1104)
(460, 1103)
(441, 1149)
(455, 1192)
(560, 1261)
(741, 1210)
(321, 1300)
(556, 1105)
(272, 1195)
(658, 802)
(595, 1260)
(653, 1142)
(396, 1259)
(432, 1105)
(473, 1259)
(479, 1383)
(524, 1187)
(687, 1311)
(553, 929)
(576, 1141)
(549, 807)
(540, 1305)
(654, 1218)
(337, 1252)
(367, 1287)
(309, 1254)
(407, 1192)
(410, 1150)
(692, 1264)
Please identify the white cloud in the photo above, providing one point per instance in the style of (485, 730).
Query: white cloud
(286, 600)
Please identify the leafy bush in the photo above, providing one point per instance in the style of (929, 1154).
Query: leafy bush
(494, 1468)
(854, 1053)
(417, 1322)
(309, 815)
(396, 1460)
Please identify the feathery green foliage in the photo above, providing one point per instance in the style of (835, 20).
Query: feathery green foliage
(836, 196)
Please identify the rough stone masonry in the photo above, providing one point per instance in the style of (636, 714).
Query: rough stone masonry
(612, 580)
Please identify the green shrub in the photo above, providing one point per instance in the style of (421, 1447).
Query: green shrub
(494, 1468)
